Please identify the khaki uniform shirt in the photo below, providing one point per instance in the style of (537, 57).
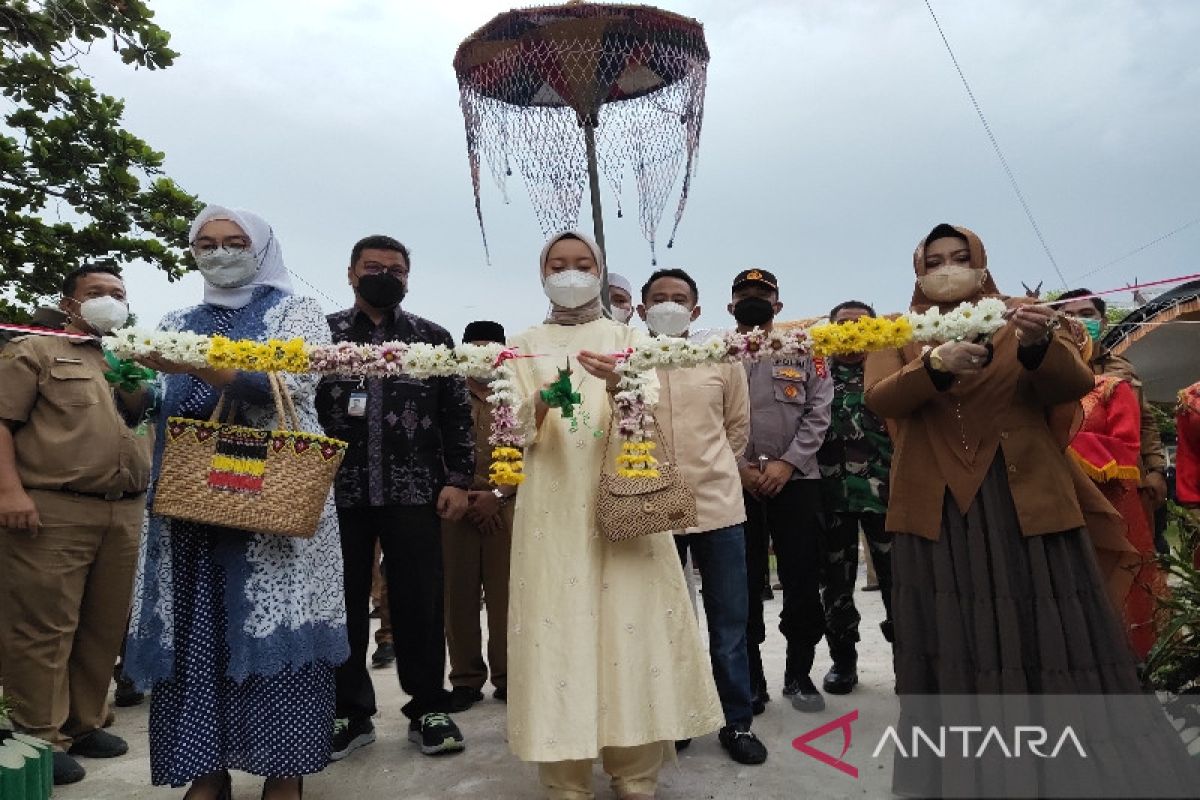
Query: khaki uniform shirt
(481, 419)
(704, 413)
(67, 431)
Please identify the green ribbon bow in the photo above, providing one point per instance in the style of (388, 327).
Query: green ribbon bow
(126, 374)
(560, 394)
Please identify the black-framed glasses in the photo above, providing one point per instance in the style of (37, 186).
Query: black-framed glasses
(375, 268)
(207, 244)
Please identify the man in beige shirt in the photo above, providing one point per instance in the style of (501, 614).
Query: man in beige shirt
(704, 413)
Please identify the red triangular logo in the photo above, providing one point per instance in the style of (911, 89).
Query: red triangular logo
(842, 723)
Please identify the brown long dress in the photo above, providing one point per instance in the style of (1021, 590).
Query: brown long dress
(1001, 613)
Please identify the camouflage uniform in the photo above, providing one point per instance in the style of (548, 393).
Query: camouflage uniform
(855, 460)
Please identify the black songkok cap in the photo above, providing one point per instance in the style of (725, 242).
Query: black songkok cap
(484, 331)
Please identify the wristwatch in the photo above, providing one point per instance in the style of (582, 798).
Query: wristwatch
(935, 360)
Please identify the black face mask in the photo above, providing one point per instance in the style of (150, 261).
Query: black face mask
(381, 291)
(753, 311)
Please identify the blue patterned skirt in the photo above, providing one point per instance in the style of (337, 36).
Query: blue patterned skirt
(202, 721)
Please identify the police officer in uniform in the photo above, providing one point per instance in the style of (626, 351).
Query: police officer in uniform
(789, 413)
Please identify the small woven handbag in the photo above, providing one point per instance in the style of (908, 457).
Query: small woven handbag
(247, 478)
(627, 508)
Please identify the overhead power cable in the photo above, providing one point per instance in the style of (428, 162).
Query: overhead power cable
(1012, 178)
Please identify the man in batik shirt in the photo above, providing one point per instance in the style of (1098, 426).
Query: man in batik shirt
(855, 460)
(410, 461)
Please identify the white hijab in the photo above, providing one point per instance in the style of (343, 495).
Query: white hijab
(267, 251)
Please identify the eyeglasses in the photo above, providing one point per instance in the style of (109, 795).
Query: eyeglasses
(206, 244)
(375, 268)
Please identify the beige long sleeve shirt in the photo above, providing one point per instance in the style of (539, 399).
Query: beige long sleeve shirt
(704, 413)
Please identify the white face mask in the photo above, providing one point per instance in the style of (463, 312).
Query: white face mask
(571, 288)
(104, 314)
(227, 269)
(668, 319)
(622, 314)
(951, 283)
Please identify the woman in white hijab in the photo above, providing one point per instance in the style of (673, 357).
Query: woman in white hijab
(238, 633)
(605, 657)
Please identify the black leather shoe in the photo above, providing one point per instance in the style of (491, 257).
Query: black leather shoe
(99, 744)
(384, 655)
(682, 744)
(67, 769)
(501, 694)
(463, 697)
(807, 699)
(126, 694)
(841, 678)
(742, 745)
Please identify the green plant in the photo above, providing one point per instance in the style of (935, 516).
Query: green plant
(1173, 664)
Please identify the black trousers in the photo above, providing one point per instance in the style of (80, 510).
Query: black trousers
(411, 539)
(839, 573)
(793, 520)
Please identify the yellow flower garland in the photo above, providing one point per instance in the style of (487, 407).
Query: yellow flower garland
(274, 355)
(636, 460)
(507, 468)
(862, 335)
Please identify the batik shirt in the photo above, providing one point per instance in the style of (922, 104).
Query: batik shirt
(857, 454)
(415, 436)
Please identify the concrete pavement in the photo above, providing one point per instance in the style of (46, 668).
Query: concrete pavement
(394, 768)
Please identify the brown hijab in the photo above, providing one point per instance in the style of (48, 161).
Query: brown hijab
(978, 261)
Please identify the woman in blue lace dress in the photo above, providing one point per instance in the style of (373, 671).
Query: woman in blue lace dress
(238, 633)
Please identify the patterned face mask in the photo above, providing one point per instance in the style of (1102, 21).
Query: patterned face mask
(227, 269)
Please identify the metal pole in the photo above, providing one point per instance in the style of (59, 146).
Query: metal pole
(589, 138)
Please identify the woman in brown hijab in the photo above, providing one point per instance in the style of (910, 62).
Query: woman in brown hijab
(996, 585)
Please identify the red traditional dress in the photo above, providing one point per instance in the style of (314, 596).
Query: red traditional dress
(1187, 455)
(1107, 447)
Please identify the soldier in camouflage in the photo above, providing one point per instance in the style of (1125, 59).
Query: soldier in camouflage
(855, 461)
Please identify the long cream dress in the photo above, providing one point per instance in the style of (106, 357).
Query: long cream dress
(603, 644)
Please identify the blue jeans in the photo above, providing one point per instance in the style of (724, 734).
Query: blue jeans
(721, 557)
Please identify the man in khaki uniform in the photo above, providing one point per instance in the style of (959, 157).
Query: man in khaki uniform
(73, 474)
(476, 552)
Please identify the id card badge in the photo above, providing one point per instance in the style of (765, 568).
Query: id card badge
(356, 406)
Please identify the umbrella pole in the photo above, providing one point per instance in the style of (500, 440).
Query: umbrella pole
(589, 138)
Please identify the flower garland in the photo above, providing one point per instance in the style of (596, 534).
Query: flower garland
(634, 422)
(967, 323)
(862, 335)
(633, 414)
(507, 439)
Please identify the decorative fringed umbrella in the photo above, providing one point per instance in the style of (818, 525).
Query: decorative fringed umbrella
(1161, 339)
(563, 93)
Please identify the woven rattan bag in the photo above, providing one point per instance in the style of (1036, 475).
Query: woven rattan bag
(627, 508)
(247, 478)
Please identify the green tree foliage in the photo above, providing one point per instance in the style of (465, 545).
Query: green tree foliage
(74, 185)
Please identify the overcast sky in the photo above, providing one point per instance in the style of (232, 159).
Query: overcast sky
(836, 135)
